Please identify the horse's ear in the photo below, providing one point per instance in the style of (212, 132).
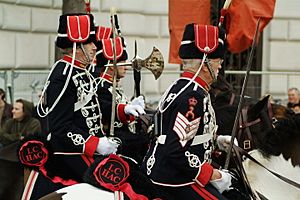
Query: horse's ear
(255, 110)
(266, 99)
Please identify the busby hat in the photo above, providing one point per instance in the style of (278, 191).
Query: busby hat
(199, 39)
(105, 51)
(75, 28)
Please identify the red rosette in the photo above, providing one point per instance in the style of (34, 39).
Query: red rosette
(33, 153)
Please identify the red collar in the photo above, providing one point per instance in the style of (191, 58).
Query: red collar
(77, 63)
(199, 80)
(106, 77)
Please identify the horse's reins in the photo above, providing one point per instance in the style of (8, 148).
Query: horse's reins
(245, 153)
(244, 126)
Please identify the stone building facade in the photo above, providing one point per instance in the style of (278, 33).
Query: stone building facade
(28, 31)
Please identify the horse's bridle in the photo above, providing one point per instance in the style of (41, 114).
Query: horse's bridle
(244, 126)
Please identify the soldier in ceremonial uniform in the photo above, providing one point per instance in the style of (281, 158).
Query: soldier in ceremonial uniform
(179, 161)
(72, 110)
(134, 143)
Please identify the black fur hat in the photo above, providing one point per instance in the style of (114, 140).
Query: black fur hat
(198, 39)
(63, 40)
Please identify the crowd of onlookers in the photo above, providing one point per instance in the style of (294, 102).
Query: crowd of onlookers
(20, 119)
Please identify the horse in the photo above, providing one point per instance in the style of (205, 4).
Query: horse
(259, 110)
(265, 126)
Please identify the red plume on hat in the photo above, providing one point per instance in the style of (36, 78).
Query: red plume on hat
(201, 39)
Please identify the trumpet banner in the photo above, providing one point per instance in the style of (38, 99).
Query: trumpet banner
(241, 19)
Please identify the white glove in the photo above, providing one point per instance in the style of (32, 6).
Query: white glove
(138, 101)
(223, 183)
(135, 110)
(106, 147)
(223, 142)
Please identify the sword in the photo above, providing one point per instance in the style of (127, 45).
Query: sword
(113, 105)
(241, 101)
(113, 16)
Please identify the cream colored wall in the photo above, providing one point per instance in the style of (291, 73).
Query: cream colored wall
(282, 49)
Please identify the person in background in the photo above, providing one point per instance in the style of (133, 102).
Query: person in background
(293, 97)
(21, 124)
(5, 108)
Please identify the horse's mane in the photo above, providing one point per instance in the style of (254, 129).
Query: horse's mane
(221, 84)
(225, 113)
(225, 116)
(220, 92)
